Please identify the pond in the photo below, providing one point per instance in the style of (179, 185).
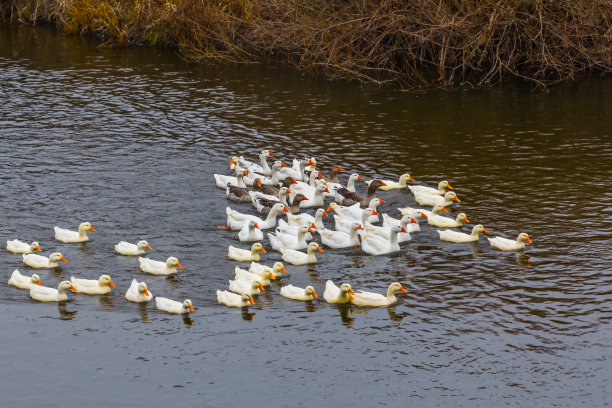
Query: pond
(129, 140)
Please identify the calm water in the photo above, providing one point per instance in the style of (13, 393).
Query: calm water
(129, 140)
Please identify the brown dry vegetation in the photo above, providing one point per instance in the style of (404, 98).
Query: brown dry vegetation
(408, 42)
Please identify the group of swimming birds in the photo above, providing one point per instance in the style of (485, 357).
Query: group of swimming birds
(137, 292)
(276, 191)
(279, 190)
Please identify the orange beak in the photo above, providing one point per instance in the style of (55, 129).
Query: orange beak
(310, 230)
(251, 301)
(315, 294)
(147, 292)
(258, 183)
(382, 183)
(411, 179)
(272, 276)
(485, 231)
(325, 213)
(466, 220)
(413, 221)
(38, 283)
(312, 163)
(351, 291)
(403, 290)
(375, 213)
(319, 249)
(283, 269)
(285, 209)
(359, 177)
(256, 226)
(360, 227)
(340, 168)
(445, 210)
(111, 284)
(329, 208)
(231, 162)
(305, 198)
(149, 247)
(73, 288)
(293, 181)
(381, 200)
(191, 308)
(263, 250)
(289, 191)
(261, 287)
(423, 215)
(92, 229)
(457, 199)
(245, 173)
(449, 186)
(326, 190)
(283, 164)
(313, 225)
(319, 174)
(528, 240)
(270, 153)
(63, 259)
(179, 265)
(404, 229)
(38, 248)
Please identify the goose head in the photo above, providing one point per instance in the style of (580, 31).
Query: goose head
(437, 209)
(252, 224)
(247, 298)
(313, 246)
(407, 219)
(523, 237)
(444, 184)
(462, 217)
(450, 196)
(309, 290)
(346, 288)
(256, 247)
(405, 177)
(288, 181)
(332, 206)
(479, 228)
(172, 262)
(142, 289)
(35, 247)
(35, 279)
(56, 256)
(257, 284)
(375, 202)
(143, 245)
(278, 266)
(394, 287)
(356, 226)
(85, 226)
(278, 208)
(106, 280)
(187, 305)
(375, 184)
(265, 153)
(354, 177)
(64, 286)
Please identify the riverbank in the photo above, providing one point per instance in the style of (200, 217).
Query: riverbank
(446, 43)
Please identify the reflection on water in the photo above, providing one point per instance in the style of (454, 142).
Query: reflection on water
(128, 140)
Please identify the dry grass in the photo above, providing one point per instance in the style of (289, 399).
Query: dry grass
(435, 43)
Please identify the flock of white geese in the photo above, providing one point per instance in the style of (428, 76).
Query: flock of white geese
(278, 190)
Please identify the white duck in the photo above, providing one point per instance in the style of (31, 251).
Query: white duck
(423, 213)
(454, 236)
(17, 247)
(344, 224)
(447, 222)
(264, 279)
(65, 235)
(138, 292)
(98, 286)
(340, 239)
(293, 292)
(362, 298)
(234, 300)
(406, 222)
(432, 200)
(392, 185)
(23, 282)
(236, 219)
(385, 231)
(441, 190)
(261, 270)
(243, 255)
(127, 248)
(354, 212)
(241, 286)
(172, 306)
(159, 267)
(280, 240)
(45, 294)
(334, 294)
(299, 258)
(376, 245)
(295, 220)
(39, 261)
(317, 197)
(250, 232)
(508, 245)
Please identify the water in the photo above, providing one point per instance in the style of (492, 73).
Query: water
(129, 140)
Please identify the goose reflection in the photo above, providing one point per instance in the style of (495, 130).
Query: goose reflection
(107, 302)
(65, 314)
(311, 306)
(246, 315)
(187, 320)
(394, 316)
(144, 314)
(345, 315)
(522, 258)
(476, 249)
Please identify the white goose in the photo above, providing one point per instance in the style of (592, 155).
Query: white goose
(138, 292)
(98, 286)
(454, 236)
(355, 212)
(259, 199)
(385, 231)
(405, 221)
(65, 235)
(243, 255)
(250, 232)
(293, 292)
(375, 245)
(23, 282)
(350, 185)
(447, 222)
(392, 185)
(279, 240)
(241, 286)
(441, 190)
(236, 219)
(234, 300)
(17, 247)
(237, 180)
(334, 294)
(127, 248)
(508, 245)
(423, 213)
(299, 258)
(296, 171)
(264, 279)
(340, 239)
(158, 267)
(253, 167)
(344, 224)
(172, 306)
(362, 298)
(295, 220)
(432, 200)
(261, 270)
(317, 199)
(39, 261)
(45, 294)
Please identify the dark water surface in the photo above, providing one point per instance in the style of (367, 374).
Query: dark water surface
(129, 140)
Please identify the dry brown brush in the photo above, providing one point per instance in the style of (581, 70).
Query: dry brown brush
(410, 42)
